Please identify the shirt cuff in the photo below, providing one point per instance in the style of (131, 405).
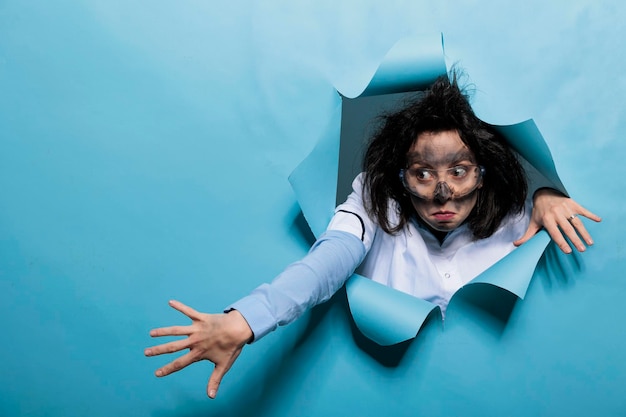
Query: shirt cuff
(257, 314)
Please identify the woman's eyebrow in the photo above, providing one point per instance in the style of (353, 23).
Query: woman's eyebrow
(451, 158)
(414, 157)
(463, 155)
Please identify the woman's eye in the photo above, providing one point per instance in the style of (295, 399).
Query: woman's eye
(459, 171)
(423, 174)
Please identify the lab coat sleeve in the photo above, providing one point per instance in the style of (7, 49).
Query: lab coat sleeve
(303, 284)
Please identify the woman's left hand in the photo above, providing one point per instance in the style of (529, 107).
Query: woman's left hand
(559, 216)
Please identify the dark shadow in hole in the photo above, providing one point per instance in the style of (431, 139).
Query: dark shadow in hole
(485, 302)
(359, 120)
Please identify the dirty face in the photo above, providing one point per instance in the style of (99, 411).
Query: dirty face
(442, 178)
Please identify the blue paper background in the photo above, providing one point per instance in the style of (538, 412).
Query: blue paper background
(144, 155)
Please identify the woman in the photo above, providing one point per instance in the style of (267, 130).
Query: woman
(441, 199)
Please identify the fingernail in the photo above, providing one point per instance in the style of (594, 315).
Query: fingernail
(147, 352)
(212, 393)
(159, 373)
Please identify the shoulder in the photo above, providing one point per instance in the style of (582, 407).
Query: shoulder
(352, 215)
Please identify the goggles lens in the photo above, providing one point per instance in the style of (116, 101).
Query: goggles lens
(457, 181)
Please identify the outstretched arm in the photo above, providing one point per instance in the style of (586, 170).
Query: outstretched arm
(218, 338)
(558, 214)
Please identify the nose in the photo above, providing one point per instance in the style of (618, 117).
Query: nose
(443, 193)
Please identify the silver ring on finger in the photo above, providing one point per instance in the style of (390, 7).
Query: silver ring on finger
(570, 218)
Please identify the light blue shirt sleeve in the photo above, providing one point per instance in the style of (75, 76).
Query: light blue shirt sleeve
(303, 284)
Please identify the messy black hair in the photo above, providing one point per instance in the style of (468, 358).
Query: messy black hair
(444, 106)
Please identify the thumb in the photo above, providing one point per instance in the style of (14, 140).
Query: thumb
(532, 230)
(214, 381)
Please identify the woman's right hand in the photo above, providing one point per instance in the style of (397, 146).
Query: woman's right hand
(218, 338)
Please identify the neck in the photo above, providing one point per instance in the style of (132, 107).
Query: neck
(441, 236)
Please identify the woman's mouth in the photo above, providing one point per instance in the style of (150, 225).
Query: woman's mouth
(443, 215)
